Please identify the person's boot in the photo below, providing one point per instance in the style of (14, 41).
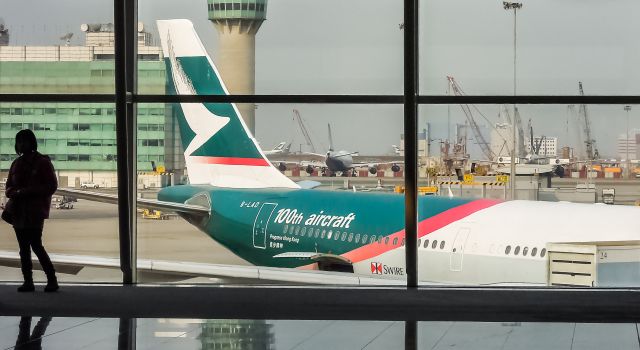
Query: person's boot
(52, 284)
(27, 286)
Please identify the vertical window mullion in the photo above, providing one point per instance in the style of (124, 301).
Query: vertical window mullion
(125, 24)
(410, 139)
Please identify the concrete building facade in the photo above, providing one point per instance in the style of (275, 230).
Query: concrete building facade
(501, 141)
(80, 138)
(548, 146)
(628, 144)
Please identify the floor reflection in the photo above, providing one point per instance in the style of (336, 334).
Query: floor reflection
(198, 334)
(31, 340)
(236, 334)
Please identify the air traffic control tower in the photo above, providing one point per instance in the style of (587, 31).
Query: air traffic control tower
(237, 22)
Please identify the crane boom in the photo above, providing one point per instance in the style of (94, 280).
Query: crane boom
(304, 130)
(592, 151)
(482, 142)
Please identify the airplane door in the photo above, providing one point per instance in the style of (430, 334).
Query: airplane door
(261, 223)
(457, 251)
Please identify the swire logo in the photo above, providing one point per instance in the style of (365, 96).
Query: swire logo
(376, 268)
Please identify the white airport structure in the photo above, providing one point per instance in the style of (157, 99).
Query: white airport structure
(548, 146)
(627, 145)
(501, 140)
(237, 24)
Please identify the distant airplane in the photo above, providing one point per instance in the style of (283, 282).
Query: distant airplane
(334, 162)
(243, 202)
(281, 148)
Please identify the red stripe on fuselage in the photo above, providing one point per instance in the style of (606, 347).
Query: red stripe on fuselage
(230, 161)
(425, 227)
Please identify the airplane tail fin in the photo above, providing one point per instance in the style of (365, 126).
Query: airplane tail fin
(280, 146)
(218, 148)
(330, 138)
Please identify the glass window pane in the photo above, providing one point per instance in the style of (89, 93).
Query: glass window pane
(84, 229)
(476, 47)
(246, 227)
(57, 49)
(359, 53)
(492, 239)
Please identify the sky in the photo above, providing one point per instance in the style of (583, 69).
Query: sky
(355, 47)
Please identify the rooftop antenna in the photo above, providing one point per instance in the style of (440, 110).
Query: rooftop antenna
(67, 39)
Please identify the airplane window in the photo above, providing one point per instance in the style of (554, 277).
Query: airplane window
(297, 230)
(317, 233)
(372, 239)
(517, 250)
(386, 240)
(402, 244)
(303, 231)
(442, 245)
(380, 239)
(286, 228)
(395, 241)
(434, 244)
(337, 236)
(323, 233)
(329, 234)
(534, 251)
(507, 250)
(543, 252)
(525, 251)
(350, 237)
(344, 236)
(357, 238)
(419, 239)
(426, 243)
(364, 238)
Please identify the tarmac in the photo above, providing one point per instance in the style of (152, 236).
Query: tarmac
(91, 229)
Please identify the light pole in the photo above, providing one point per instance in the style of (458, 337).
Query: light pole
(626, 141)
(513, 6)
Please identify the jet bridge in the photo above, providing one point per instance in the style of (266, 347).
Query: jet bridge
(594, 264)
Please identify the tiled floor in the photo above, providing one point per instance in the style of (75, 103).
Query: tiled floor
(99, 333)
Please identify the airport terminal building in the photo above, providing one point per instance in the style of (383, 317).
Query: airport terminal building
(80, 137)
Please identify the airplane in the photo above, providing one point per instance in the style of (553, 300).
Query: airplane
(281, 148)
(334, 162)
(239, 199)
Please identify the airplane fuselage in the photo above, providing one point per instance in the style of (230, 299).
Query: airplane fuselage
(461, 240)
(339, 161)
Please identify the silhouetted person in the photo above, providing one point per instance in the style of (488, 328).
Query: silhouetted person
(26, 339)
(30, 185)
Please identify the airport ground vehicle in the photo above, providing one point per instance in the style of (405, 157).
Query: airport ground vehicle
(64, 205)
(88, 184)
(608, 195)
(154, 214)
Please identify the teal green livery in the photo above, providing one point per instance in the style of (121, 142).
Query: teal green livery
(257, 212)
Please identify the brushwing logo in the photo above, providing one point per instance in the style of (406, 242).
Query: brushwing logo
(201, 121)
(376, 268)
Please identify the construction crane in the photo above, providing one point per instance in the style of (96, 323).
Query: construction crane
(303, 128)
(535, 144)
(590, 142)
(482, 142)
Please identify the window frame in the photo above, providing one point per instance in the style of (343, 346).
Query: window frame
(414, 302)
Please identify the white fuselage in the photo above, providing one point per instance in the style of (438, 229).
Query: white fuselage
(481, 248)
